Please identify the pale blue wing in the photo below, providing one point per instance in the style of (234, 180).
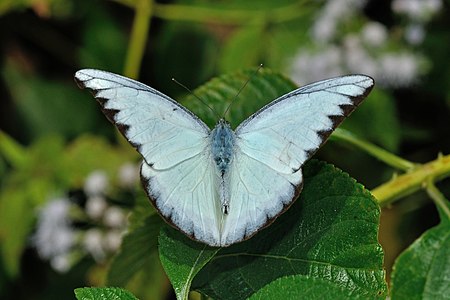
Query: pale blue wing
(273, 144)
(163, 131)
(177, 172)
(186, 196)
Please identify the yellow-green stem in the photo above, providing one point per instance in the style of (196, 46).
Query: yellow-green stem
(229, 16)
(138, 40)
(413, 180)
(379, 153)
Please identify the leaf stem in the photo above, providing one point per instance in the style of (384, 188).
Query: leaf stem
(381, 154)
(138, 40)
(438, 198)
(413, 180)
(223, 15)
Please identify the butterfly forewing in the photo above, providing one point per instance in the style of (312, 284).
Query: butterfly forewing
(164, 132)
(264, 176)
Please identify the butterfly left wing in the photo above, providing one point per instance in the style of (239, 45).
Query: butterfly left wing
(274, 143)
(177, 171)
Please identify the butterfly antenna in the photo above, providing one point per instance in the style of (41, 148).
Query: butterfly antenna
(198, 98)
(241, 89)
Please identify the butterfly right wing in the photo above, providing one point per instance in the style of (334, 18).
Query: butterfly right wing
(273, 144)
(177, 172)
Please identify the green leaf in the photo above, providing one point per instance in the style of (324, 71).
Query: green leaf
(107, 293)
(261, 88)
(329, 234)
(303, 287)
(182, 259)
(423, 270)
(136, 248)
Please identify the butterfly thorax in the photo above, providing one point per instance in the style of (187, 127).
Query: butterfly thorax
(222, 147)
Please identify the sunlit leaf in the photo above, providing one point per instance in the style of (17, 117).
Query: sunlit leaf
(423, 270)
(107, 293)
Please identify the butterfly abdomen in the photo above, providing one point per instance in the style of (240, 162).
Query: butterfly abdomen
(222, 147)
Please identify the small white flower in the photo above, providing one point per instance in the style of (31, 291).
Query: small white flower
(415, 34)
(398, 69)
(324, 29)
(128, 175)
(308, 67)
(334, 11)
(95, 207)
(114, 217)
(61, 263)
(96, 183)
(417, 9)
(93, 244)
(374, 34)
(112, 240)
(54, 236)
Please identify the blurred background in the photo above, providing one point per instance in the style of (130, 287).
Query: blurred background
(68, 182)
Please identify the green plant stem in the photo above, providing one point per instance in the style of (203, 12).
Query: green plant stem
(223, 15)
(138, 40)
(379, 153)
(413, 180)
(438, 198)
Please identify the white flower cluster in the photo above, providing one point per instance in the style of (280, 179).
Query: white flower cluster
(370, 50)
(54, 237)
(57, 240)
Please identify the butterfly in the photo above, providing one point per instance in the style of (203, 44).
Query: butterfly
(222, 186)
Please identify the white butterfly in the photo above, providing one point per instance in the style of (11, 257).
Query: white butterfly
(222, 186)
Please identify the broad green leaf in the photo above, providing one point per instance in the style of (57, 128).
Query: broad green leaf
(261, 88)
(136, 250)
(329, 233)
(303, 287)
(107, 293)
(423, 270)
(182, 259)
